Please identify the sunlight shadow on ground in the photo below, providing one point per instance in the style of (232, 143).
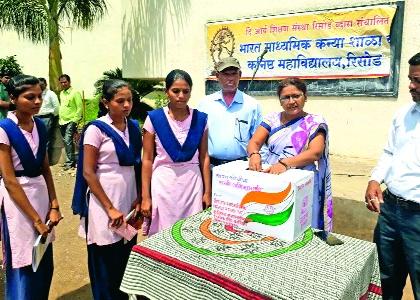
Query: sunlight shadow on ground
(352, 218)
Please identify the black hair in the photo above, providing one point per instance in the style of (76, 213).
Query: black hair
(19, 84)
(415, 60)
(297, 82)
(42, 79)
(177, 74)
(67, 77)
(111, 87)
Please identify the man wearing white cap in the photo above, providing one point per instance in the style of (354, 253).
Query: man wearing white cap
(233, 116)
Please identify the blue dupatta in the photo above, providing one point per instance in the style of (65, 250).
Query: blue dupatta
(170, 143)
(127, 156)
(32, 164)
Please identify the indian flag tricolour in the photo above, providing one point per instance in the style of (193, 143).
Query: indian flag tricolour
(270, 209)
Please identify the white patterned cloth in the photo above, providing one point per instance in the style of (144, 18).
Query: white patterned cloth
(199, 259)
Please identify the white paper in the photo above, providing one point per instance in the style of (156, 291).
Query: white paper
(130, 214)
(39, 249)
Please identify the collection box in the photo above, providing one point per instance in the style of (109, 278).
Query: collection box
(274, 205)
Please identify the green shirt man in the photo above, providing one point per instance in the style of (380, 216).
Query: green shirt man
(71, 106)
(69, 114)
(4, 96)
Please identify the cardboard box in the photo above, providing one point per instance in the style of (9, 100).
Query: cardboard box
(272, 205)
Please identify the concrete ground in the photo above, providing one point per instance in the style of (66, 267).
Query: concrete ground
(71, 280)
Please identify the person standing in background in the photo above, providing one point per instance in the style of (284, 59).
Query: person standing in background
(4, 96)
(49, 111)
(70, 113)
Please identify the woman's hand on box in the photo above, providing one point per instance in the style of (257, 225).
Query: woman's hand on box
(275, 169)
(255, 163)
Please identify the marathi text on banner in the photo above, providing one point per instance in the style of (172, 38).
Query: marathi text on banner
(332, 44)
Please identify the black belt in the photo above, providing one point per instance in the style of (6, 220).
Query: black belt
(46, 116)
(217, 162)
(20, 173)
(400, 201)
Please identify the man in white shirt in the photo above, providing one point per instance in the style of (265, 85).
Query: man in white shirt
(49, 111)
(397, 233)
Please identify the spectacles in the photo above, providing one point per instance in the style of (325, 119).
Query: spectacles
(288, 97)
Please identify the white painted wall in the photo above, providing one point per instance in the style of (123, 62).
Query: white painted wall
(159, 36)
(86, 54)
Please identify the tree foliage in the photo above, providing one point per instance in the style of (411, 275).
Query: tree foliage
(41, 21)
(10, 66)
(32, 19)
(139, 89)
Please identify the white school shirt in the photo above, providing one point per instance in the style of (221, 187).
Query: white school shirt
(399, 165)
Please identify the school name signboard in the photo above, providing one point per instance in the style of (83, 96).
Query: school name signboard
(340, 43)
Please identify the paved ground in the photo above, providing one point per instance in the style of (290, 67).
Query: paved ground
(71, 280)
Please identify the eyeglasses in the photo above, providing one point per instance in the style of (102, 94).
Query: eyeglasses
(288, 97)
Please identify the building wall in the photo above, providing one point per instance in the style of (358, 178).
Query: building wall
(86, 54)
(159, 36)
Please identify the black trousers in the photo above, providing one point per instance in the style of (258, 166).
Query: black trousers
(397, 236)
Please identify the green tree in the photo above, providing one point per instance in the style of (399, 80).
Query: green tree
(41, 22)
(10, 66)
(138, 86)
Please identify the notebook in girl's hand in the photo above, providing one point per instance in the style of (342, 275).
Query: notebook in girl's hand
(39, 248)
(126, 231)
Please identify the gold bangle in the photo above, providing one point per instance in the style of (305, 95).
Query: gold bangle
(255, 152)
(37, 222)
(56, 208)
